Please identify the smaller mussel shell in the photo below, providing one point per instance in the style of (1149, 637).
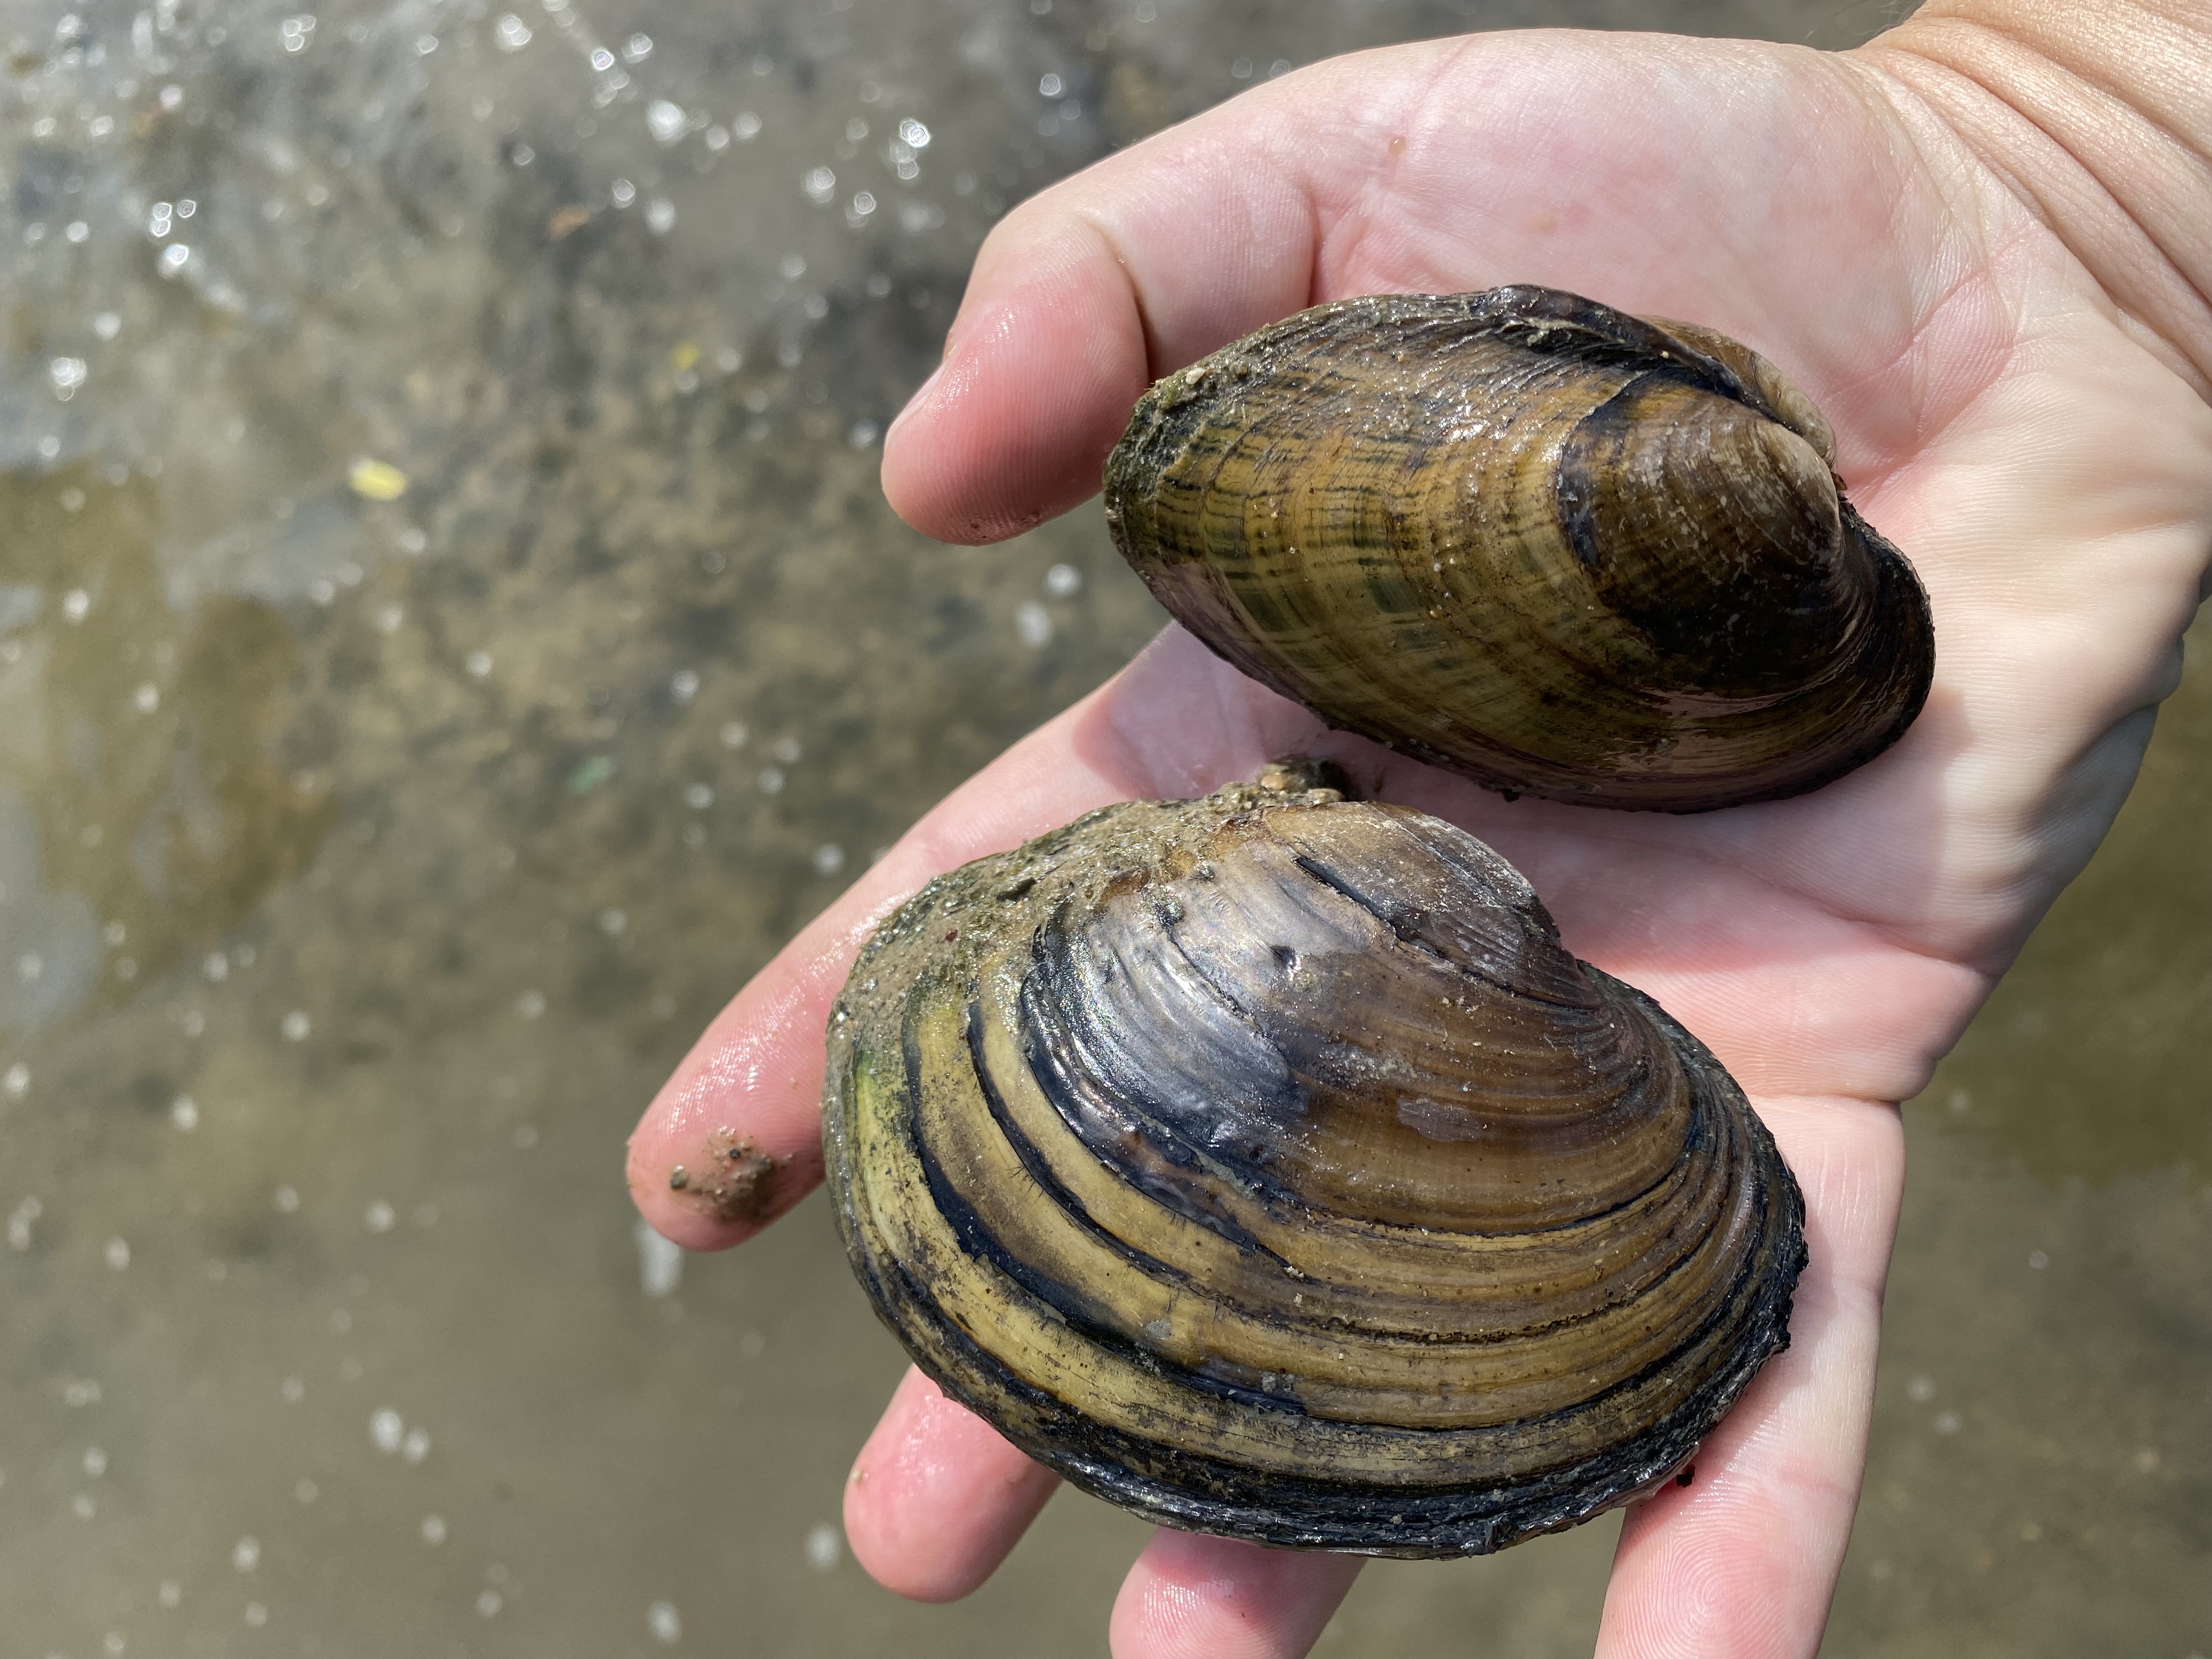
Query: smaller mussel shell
(1561, 549)
(1265, 1164)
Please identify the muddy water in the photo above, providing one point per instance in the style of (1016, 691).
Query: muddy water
(449, 637)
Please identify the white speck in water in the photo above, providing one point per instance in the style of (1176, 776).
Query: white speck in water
(522, 156)
(49, 447)
(170, 1594)
(341, 1321)
(388, 618)
(67, 374)
(146, 698)
(1920, 1390)
(478, 663)
(1034, 623)
(322, 592)
(75, 604)
(637, 49)
(80, 1506)
(771, 779)
(245, 1554)
(863, 434)
(306, 1491)
(95, 1462)
(718, 137)
(666, 121)
(489, 1603)
(185, 1113)
(2147, 1461)
(787, 750)
(698, 796)
(216, 966)
(160, 218)
(685, 685)
(820, 185)
(659, 1261)
(665, 1624)
(379, 1217)
(386, 1428)
(1063, 581)
(116, 1253)
(828, 859)
(296, 1026)
(530, 1005)
(863, 204)
(433, 1529)
(15, 1080)
(1051, 86)
(912, 134)
(417, 1446)
(1946, 1423)
(823, 1546)
(256, 1614)
(287, 1200)
(733, 734)
(1960, 1100)
(77, 1390)
(21, 1221)
(746, 127)
(293, 1390)
(107, 325)
(113, 1642)
(622, 191)
(2037, 1259)
(613, 921)
(77, 230)
(173, 258)
(510, 32)
(425, 44)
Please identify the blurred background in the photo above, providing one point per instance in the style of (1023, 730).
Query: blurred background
(451, 636)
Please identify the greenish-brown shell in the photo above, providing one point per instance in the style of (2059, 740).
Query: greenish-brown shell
(1563, 550)
(1265, 1164)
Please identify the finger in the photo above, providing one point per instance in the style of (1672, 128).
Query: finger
(1078, 299)
(733, 1138)
(1741, 1563)
(1193, 1597)
(937, 1497)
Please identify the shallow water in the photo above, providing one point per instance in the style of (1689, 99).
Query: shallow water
(450, 636)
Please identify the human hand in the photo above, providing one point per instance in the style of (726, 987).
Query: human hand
(2005, 322)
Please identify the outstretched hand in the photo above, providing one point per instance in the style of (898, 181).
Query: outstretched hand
(2015, 385)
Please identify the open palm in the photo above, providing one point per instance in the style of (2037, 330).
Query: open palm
(2042, 454)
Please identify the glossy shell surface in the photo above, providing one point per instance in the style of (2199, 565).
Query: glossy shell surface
(1560, 549)
(1266, 1164)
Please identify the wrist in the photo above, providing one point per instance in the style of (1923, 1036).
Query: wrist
(2096, 114)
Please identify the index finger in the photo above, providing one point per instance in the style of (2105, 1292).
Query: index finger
(734, 1139)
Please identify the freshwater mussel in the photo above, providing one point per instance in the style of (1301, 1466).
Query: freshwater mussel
(1562, 550)
(1265, 1162)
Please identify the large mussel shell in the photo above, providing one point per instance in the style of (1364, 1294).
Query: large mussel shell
(1266, 1164)
(1563, 550)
